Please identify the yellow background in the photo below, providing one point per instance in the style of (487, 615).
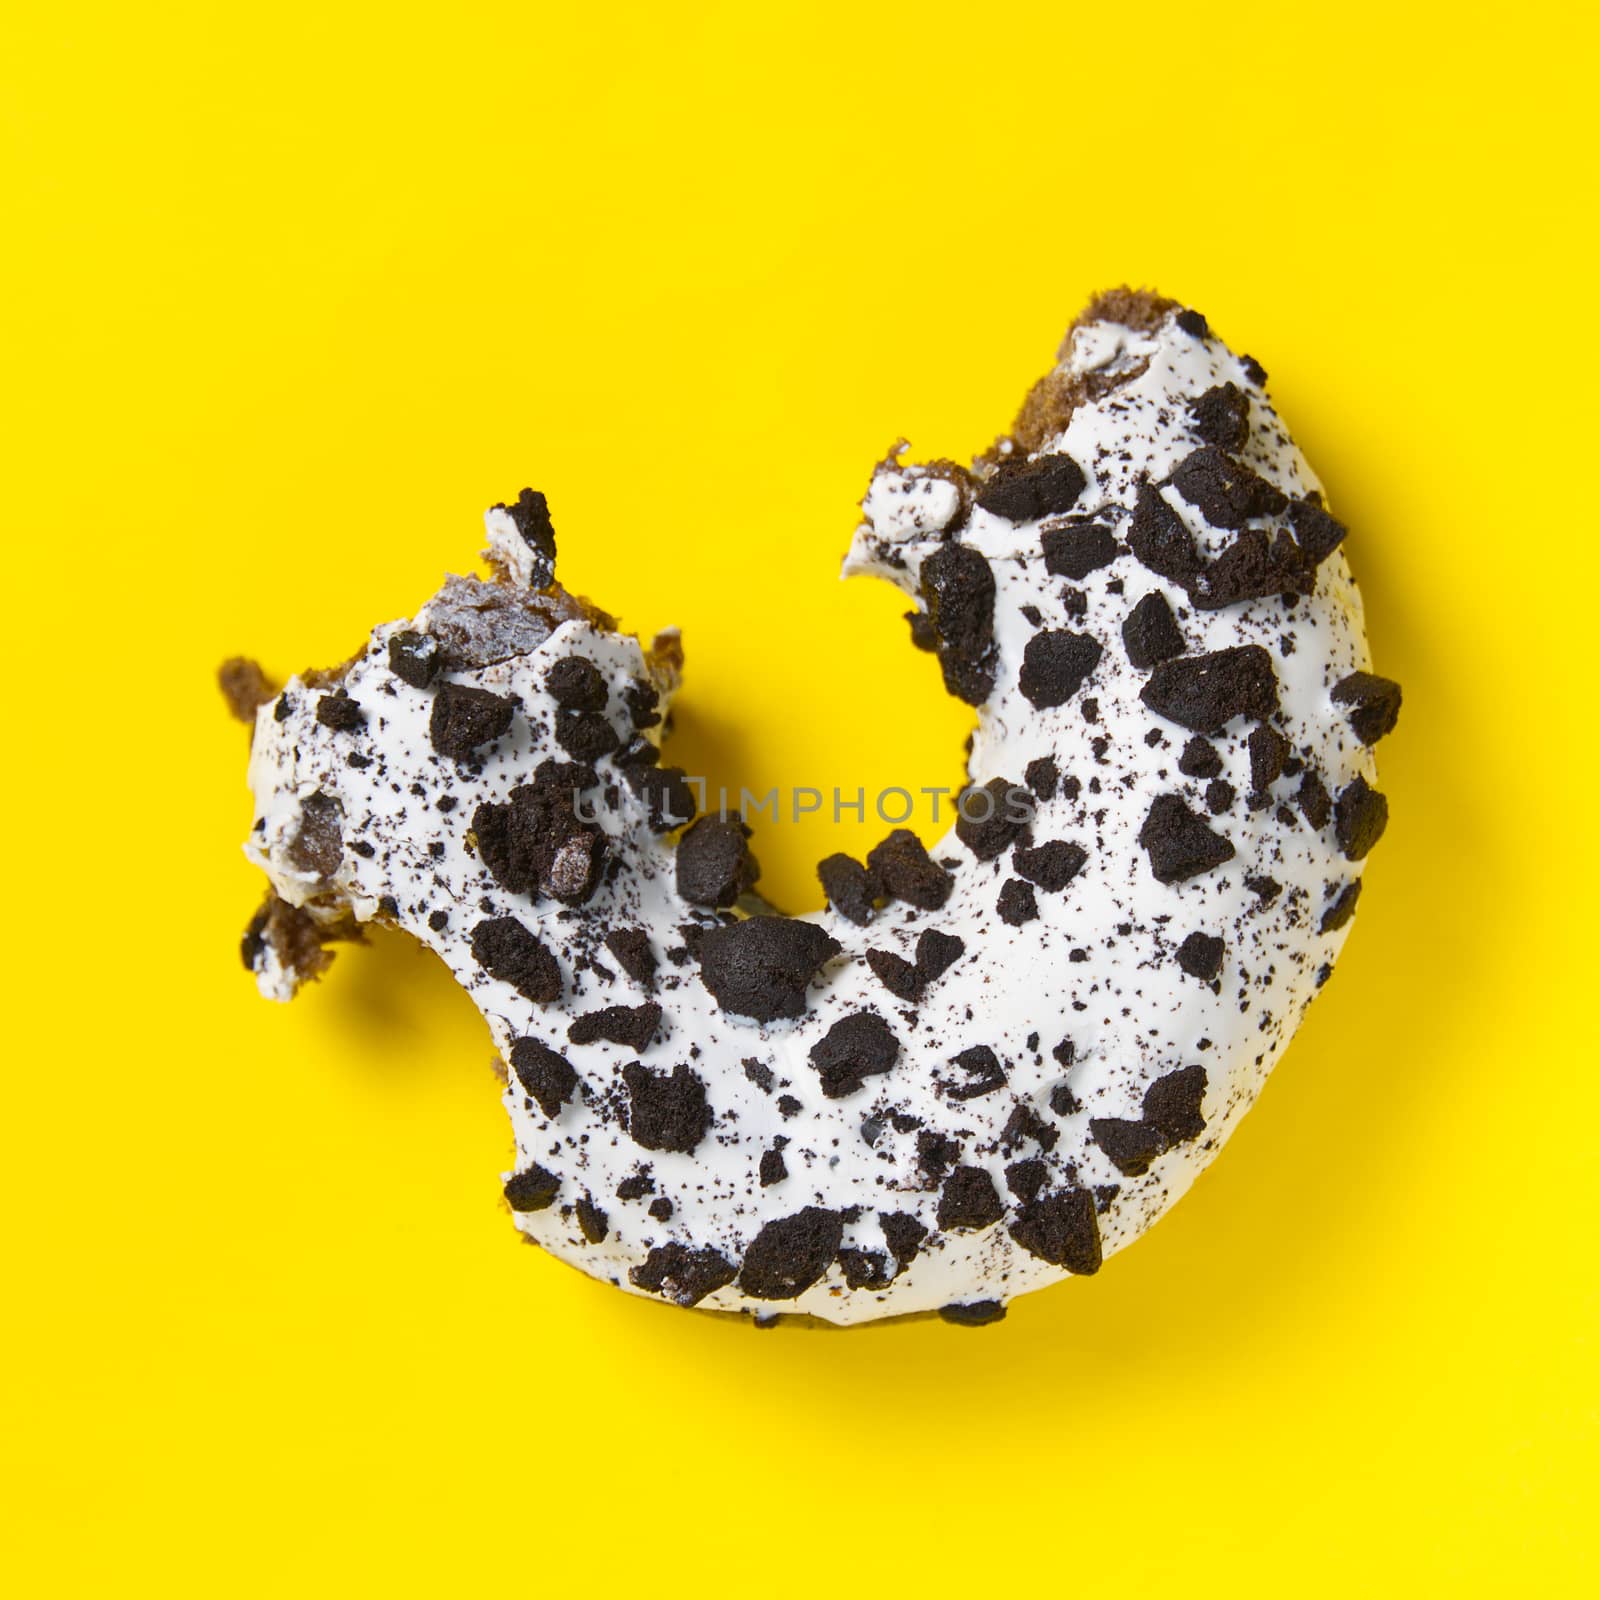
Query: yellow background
(287, 296)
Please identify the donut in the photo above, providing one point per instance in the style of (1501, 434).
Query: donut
(986, 1065)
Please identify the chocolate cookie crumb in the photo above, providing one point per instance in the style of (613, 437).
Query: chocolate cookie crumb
(1360, 816)
(683, 1275)
(544, 1073)
(632, 1026)
(1024, 491)
(1061, 1228)
(1050, 866)
(508, 951)
(851, 889)
(1055, 664)
(968, 1201)
(1078, 548)
(1341, 909)
(631, 947)
(1375, 702)
(533, 1190)
(1204, 693)
(760, 967)
(339, 712)
(464, 718)
(1179, 843)
(531, 515)
(1200, 955)
(1016, 903)
(715, 865)
(903, 870)
(1150, 633)
(787, 1256)
(414, 658)
(666, 1111)
(855, 1048)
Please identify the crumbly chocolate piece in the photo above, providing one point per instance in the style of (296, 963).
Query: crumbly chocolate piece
(1226, 491)
(667, 795)
(856, 1047)
(787, 1256)
(1051, 866)
(339, 712)
(633, 1026)
(1024, 491)
(903, 1234)
(1016, 903)
(535, 842)
(1055, 664)
(1204, 693)
(508, 951)
(414, 658)
(957, 589)
(1078, 547)
(1221, 416)
(531, 515)
(896, 974)
(575, 683)
(1219, 796)
(1317, 533)
(666, 1111)
(593, 1223)
(1268, 751)
(865, 1269)
(465, 718)
(760, 967)
(631, 948)
(1026, 1179)
(1172, 1104)
(1130, 1145)
(936, 1153)
(715, 865)
(1042, 775)
(1254, 565)
(773, 1168)
(968, 1201)
(1193, 323)
(984, 1073)
(1150, 633)
(585, 735)
(1161, 539)
(683, 1274)
(544, 1073)
(1375, 704)
(1025, 1124)
(1200, 955)
(1341, 908)
(989, 826)
(937, 952)
(1061, 1228)
(903, 870)
(850, 887)
(1199, 759)
(1360, 815)
(642, 700)
(973, 1313)
(533, 1190)
(1179, 843)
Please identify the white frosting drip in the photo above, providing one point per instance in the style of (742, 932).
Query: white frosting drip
(1119, 996)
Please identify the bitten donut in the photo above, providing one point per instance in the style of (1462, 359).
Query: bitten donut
(985, 1066)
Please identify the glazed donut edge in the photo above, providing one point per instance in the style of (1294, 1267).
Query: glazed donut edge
(988, 1064)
